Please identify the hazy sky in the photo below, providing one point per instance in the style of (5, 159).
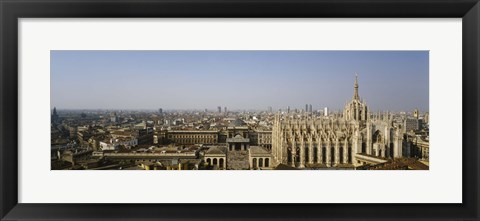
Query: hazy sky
(389, 80)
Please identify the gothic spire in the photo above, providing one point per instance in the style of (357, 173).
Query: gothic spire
(355, 95)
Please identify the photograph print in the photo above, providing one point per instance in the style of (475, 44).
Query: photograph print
(239, 110)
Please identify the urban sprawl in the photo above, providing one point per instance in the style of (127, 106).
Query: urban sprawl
(221, 139)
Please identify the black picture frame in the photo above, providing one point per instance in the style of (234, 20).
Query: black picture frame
(12, 10)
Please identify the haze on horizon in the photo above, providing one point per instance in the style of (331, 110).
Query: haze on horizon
(240, 80)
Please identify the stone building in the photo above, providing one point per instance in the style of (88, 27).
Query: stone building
(189, 137)
(238, 136)
(259, 158)
(418, 146)
(411, 124)
(238, 143)
(216, 156)
(335, 141)
(264, 138)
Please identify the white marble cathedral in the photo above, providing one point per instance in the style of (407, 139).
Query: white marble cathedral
(336, 140)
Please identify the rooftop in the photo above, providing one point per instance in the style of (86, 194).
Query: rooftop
(237, 123)
(258, 151)
(215, 150)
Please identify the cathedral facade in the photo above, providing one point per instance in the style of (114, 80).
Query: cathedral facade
(340, 140)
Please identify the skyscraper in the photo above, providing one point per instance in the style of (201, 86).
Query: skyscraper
(219, 109)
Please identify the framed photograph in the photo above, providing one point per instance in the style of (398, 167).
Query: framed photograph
(175, 110)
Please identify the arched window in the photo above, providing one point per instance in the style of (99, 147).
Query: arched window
(349, 154)
(221, 162)
(391, 150)
(324, 154)
(289, 156)
(209, 161)
(267, 162)
(307, 152)
(254, 163)
(215, 162)
(377, 137)
(341, 154)
(332, 155)
(260, 162)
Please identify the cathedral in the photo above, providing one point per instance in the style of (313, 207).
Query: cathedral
(343, 140)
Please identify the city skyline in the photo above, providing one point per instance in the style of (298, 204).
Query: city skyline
(239, 80)
(361, 128)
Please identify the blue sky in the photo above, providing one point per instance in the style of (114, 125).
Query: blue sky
(389, 80)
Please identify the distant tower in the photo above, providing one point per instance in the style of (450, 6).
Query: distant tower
(288, 109)
(55, 117)
(415, 113)
(114, 117)
(219, 109)
(160, 111)
(225, 110)
(306, 107)
(325, 111)
(310, 107)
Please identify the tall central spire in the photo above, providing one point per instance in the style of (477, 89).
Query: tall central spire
(355, 94)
